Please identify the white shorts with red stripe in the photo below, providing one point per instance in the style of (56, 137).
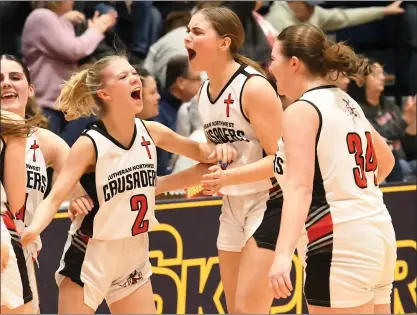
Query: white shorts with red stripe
(15, 288)
(350, 263)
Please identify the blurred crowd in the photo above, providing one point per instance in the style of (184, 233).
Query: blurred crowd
(57, 38)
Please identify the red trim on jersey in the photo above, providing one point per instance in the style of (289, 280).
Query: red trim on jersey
(8, 220)
(319, 229)
(85, 238)
(274, 189)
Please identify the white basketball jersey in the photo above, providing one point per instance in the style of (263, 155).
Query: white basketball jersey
(346, 167)
(225, 122)
(36, 180)
(122, 187)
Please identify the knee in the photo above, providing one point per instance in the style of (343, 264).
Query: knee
(247, 305)
(253, 301)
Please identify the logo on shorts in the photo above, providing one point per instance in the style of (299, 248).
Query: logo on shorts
(133, 278)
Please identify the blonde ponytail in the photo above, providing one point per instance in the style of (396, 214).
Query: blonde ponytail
(75, 99)
(79, 94)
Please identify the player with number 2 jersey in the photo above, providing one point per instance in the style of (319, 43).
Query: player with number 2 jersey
(106, 255)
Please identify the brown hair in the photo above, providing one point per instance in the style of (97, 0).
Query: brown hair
(12, 126)
(177, 19)
(34, 114)
(227, 24)
(79, 94)
(321, 56)
(32, 111)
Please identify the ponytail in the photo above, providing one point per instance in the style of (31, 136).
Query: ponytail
(321, 56)
(14, 126)
(75, 99)
(341, 58)
(247, 61)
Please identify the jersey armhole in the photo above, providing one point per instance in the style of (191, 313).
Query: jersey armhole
(201, 89)
(250, 75)
(94, 143)
(320, 119)
(147, 130)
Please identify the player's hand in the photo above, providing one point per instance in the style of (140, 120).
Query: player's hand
(213, 181)
(224, 154)
(279, 276)
(393, 8)
(4, 255)
(29, 236)
(80, 205)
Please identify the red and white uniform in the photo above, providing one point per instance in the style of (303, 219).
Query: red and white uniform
(348, 243)
(123, 190)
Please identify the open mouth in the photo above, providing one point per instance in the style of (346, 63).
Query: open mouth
(191, 54)
(136, 95)
(8, 96)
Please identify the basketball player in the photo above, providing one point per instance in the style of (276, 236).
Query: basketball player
(16, 295)
(329, 163)
(43, 149)
(238, 105)
(330, 166)
(107, 252)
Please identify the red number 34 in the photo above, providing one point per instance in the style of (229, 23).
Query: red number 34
(367, 163)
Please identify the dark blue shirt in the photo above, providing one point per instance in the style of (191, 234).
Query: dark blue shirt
(168, 110)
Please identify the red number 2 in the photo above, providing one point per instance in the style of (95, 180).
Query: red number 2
(365, 164)
(139, 203)
(20, 215)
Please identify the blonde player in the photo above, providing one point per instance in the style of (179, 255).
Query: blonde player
(107, 252)
(329, 164)
(43, 149)
(237, 105)
(16, 295)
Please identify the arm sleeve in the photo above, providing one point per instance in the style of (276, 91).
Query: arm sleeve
(335, 19)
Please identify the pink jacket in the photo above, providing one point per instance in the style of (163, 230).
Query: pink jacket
(51, 51)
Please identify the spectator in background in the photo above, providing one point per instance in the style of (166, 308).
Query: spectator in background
(139, 25)
(188, 118)
(283, 14)
(181, 86)
(396, 125)
(52, 50)
(168, 46)
(188, 125)
(407, 49)
(150, 95)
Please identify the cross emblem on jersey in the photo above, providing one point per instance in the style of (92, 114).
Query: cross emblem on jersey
(228, 101)
(146, 144)
(351, 110)
(33, 147)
